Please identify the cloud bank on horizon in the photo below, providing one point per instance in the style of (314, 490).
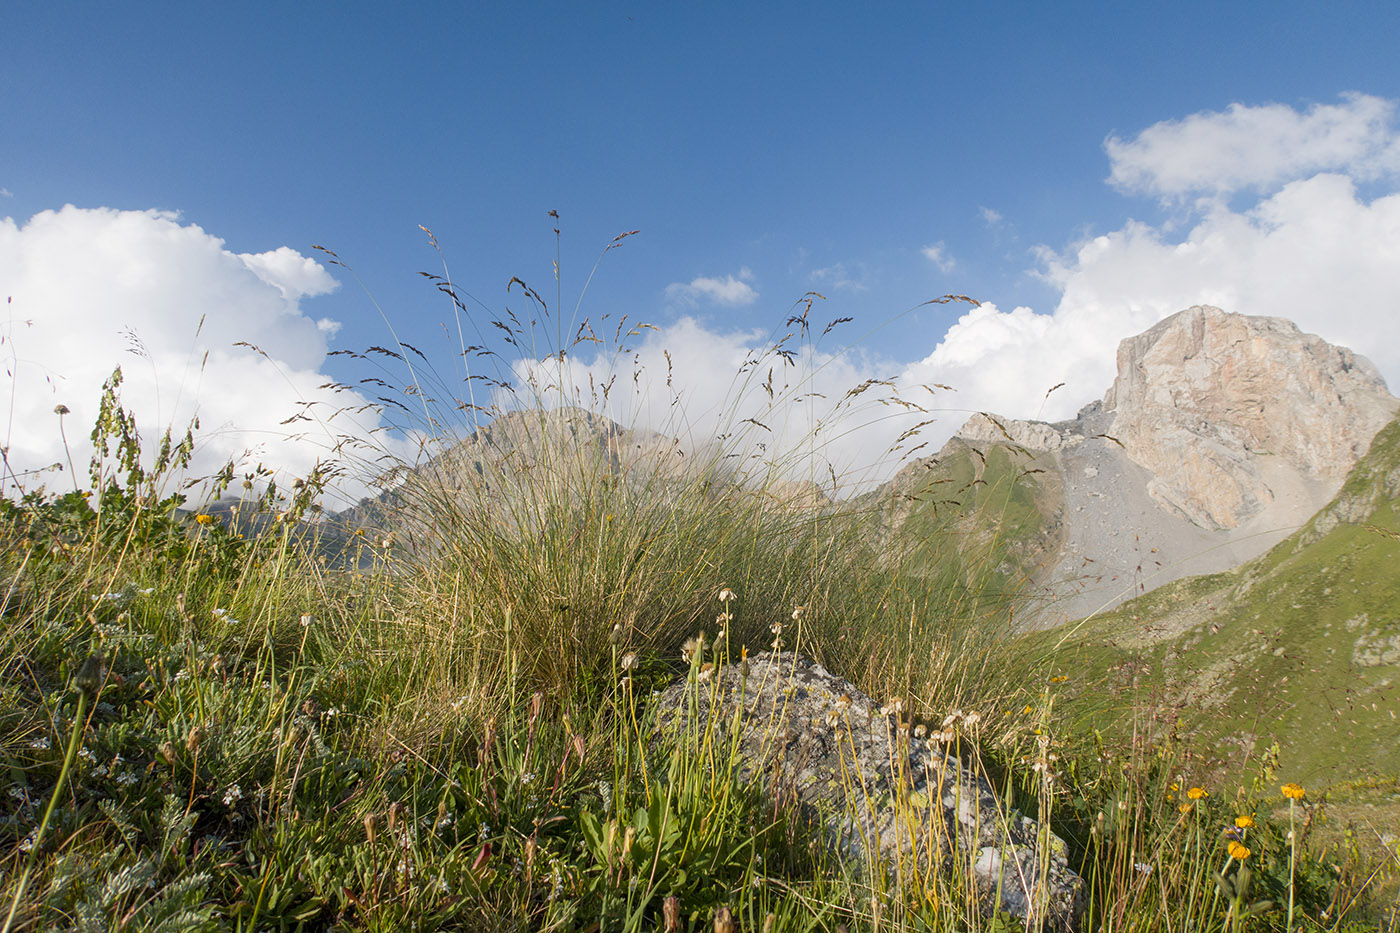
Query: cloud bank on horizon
(1271, 210)
(91, 289)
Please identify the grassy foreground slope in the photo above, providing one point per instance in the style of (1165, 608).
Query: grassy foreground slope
(1299, 647)
(208, 730)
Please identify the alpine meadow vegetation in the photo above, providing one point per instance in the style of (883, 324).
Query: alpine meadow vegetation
(225, 707)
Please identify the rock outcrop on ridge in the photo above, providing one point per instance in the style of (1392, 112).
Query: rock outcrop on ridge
(881, 791)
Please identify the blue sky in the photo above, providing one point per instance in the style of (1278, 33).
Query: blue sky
(879, 156)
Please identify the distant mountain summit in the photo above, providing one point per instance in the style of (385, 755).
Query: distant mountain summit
(1222, 434)
(1227, 412)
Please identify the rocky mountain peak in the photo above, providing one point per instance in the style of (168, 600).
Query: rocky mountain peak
(1222, 408)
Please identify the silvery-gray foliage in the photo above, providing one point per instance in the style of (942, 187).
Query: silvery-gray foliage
(882, 793)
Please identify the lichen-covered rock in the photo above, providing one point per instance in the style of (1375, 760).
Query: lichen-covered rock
(883, 794)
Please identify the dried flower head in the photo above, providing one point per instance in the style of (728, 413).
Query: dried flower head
(726, 595)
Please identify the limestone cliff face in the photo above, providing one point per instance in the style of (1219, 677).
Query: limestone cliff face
(1222, 409)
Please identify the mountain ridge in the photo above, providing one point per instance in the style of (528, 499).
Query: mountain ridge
(1222, 434)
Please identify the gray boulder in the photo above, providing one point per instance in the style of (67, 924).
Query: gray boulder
(884, 794)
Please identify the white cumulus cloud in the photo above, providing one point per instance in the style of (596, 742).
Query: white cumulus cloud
(91, 289)
(1258, 147)
(700, 384)
(726, 291)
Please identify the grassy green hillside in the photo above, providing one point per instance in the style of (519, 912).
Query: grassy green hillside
(993, 512)
(1299, 648)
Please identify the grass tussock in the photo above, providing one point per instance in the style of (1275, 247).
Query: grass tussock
(433, 712)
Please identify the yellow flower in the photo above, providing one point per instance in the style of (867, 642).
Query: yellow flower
(1238, 851)
(1293, 791)
(204, 519)
(1185, 807)
(1027, 709)
(1197, 793)
(1244, 822)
